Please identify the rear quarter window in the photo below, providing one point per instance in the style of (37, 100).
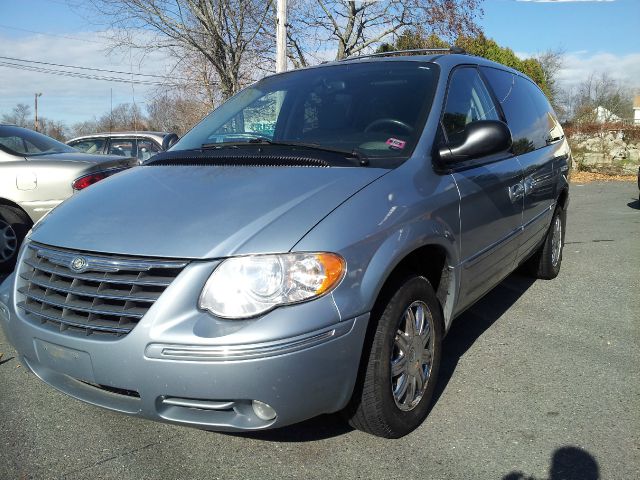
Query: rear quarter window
(528, 123)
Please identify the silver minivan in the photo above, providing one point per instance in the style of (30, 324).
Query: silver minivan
(303, 250)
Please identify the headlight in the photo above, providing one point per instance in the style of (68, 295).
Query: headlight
(243, 287)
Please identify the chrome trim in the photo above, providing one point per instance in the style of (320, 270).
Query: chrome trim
(93, 278)
(223, 353)
(516, 192)
(201, 404)
(99, 263)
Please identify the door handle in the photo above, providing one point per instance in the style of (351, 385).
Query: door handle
(529, 185)
(516, 192)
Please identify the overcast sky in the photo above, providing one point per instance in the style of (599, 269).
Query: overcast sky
(596, 36)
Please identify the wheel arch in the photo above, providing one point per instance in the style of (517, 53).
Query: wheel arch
(8, 203)
(431, 261)
(563, 198)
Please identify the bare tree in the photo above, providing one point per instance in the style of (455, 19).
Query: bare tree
(353, 27)
(86, 127)
(222, 33)
(551, 62)
(124, 117)
(53, 128)
(599, 90)
(20, 116)
(174, 113)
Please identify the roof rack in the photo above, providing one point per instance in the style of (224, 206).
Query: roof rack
(414, 51)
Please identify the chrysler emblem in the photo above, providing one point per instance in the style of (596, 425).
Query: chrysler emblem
(79, 264)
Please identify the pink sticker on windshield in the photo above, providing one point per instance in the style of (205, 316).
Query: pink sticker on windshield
(395, 143)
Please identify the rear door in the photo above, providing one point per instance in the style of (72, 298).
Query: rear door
(490, 208)
(537, 141)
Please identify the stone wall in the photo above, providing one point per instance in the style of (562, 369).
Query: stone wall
(611, 152)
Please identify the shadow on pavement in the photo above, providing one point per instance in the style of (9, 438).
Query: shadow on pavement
(467, 328)
(318, 428)
(567, 463)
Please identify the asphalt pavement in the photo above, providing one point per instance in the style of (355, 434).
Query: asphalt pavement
(540, 380)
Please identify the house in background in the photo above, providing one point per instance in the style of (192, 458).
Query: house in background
(604, 115)
(636, 110)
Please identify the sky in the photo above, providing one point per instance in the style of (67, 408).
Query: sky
(594, 36)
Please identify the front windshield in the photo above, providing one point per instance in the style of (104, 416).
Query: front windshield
(22, 141)
(376, 108)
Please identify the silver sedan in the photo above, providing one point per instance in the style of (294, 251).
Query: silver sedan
(36, 174)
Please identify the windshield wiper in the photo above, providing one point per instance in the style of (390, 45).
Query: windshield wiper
(359, 156)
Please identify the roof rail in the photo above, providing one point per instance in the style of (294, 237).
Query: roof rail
(414, 51)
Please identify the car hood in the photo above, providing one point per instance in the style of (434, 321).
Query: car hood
(200, 211)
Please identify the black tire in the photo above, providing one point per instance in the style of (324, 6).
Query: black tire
(373, 408)
(14, 225)
(542, 264)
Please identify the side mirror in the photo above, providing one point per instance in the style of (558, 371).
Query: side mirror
(169, 141)
(480, 139)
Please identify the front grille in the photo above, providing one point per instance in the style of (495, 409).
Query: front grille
(88, 294)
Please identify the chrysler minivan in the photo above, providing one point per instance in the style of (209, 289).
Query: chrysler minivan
(302, 250)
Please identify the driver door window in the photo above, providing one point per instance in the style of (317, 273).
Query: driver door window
(468, 100)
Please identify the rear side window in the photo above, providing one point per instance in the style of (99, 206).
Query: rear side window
(95, 145)
(550, 127)
(146, 149)
(125, 147)
(527, 122)
(468, 100)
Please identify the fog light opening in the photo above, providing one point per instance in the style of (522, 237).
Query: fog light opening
(263, 411)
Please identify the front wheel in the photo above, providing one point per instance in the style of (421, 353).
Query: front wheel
(399, 376)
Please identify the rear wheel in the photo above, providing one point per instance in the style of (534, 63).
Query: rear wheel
(14, 225)
(401, 367)
(545, 263)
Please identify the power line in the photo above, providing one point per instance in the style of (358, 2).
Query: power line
(33, 68)
(119, 72)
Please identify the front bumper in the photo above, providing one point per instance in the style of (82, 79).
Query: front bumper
(192, 380)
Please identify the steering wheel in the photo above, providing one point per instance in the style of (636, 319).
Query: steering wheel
(389, 121)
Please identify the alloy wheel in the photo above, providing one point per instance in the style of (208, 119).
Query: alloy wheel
(412, 356)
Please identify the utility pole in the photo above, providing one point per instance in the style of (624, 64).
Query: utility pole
(35, 120)
(281, 37)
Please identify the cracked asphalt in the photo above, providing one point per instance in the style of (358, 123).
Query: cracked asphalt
(540, 380)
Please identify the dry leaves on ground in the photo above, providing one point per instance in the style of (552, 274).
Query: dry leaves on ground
(586, 177)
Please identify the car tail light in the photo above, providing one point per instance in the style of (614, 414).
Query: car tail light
(88, 180)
